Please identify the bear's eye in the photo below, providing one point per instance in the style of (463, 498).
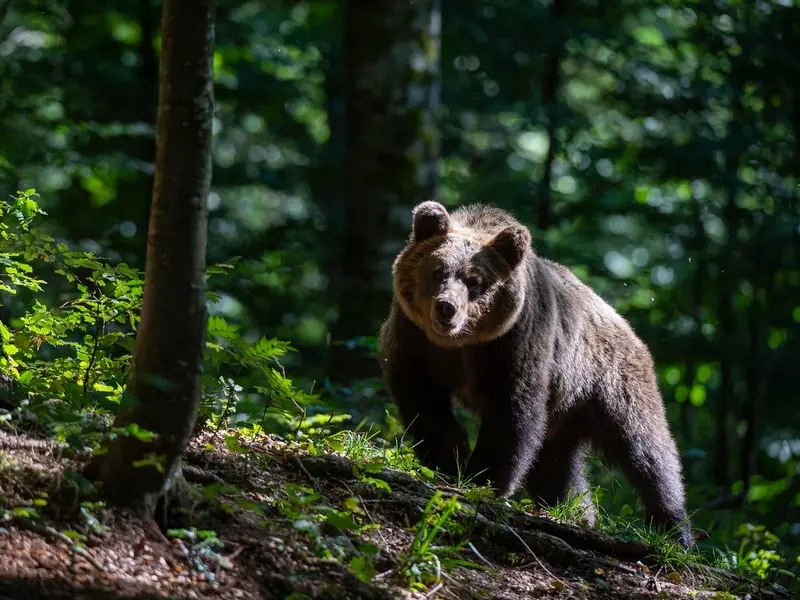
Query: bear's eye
(474, 285)
(439, 273)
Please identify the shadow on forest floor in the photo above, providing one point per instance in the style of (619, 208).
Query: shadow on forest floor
(27, 589)
(267, 520)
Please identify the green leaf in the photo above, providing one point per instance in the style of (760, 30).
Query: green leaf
(363, 568)
(649, 36)
(233, 445)
(214, 490)
(73, 535)
(341, 520)
(427, 473)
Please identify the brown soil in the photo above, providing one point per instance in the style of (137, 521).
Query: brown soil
(265, 557)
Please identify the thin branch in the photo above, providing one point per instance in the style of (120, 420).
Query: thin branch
(100, 326)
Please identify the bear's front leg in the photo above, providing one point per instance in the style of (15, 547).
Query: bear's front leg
(513, 424)
(424, 405)
(440, 441)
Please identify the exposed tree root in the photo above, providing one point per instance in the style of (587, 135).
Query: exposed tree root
(54, 536)
(195, 474)
(13, 442)
(494, 524)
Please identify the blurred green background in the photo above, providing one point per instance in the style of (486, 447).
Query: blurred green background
(653, 147)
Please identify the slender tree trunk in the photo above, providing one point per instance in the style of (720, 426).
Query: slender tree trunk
(145, 105)
(391, 84)
(551, 83)
(328, 187)
(147, 98)
(756, 375)
(727, 337)
(729, 260)
(751, 408)
(165, 381)
(698, 246)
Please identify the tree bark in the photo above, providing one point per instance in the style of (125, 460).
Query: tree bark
(551, 82)
(698, 246)
(328, 187)
(727, 328)
(147, 98)
(757, 369)
(391, 87)
(165, 380)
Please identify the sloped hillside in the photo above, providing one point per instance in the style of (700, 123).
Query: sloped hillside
(264, 519)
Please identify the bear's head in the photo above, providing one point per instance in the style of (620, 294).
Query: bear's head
(462, 284)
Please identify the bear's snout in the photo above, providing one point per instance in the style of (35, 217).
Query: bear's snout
(445, 310)
(447, 317)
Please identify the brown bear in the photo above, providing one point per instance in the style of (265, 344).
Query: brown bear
(551, 369)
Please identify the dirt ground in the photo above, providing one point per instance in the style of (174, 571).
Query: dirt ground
(265, 557)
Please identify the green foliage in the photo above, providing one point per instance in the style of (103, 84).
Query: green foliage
(571, 510)
(756, 555)
(20, 245)
(332, 533)
(71, 361)
(273, 399)
(73, 356)
(202, 547)
(423, 564)
(674, 190)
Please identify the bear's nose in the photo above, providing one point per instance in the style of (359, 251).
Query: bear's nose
(445, 310)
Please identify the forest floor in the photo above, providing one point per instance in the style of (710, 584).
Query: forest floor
(295, 525)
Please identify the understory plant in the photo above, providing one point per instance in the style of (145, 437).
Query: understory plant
(67, 355)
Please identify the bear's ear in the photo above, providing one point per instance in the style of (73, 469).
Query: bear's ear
(429, 219)
(511, 243)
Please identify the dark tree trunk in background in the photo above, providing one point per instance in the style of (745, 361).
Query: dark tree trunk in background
(551, 83)
(147, 99)
(728, 333)
(391, 90)
(697, 247)
(753, 401)
(726, 325)
(756, 375)
(165, 381)
(145, 106)
(328, 187)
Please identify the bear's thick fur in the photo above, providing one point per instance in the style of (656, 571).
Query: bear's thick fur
(551, 369)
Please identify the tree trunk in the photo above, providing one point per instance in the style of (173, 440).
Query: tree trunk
(328, 186)
(698, 247)
(728, 331)
(147, 99)
(391, 86)
(165, 381)
(551, 82)
(757, 369)
(144, 109)
(727, 328)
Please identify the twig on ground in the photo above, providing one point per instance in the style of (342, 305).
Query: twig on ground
(302, 467)
(479, 555)
(434, 589)
(364, 506)
(533, 554)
